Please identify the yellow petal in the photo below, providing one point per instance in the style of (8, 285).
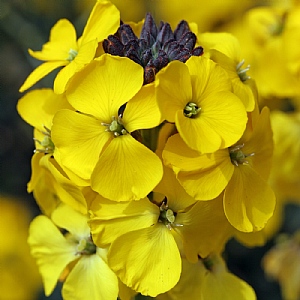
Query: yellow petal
(40, 72)
(261, 144)
(242, 89)
(38, 107)
(203, 177)
(104, 85)
(210, 77)
(142, 111)
(74, 222)
(221, 41)
(80, 139)
(64, 188)
(219, 124)
(177, 197)
(51, 251)
(249, 201)
(203, 220)
(62, 40)
(35, 171)
(103, 21)
(173, 89)
(226, 286)
(128, 165)
(92, 279)
(85, 54)
(197, 134)
(110, 219)
(147, 260)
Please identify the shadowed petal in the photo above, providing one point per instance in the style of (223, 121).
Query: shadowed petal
(126, 170)
(147, 260)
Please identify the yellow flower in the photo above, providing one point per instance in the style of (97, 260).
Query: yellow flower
(209, 279)
(63, 50)
(224, 49)
(49, 182)
(282, 263)
(88, 275)
(241, 171)
(197, 97)
(274, 33)
(18, 272)
(147, 238)
(285, 175)
(102, 144)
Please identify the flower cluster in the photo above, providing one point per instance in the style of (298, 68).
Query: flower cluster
(151, 152)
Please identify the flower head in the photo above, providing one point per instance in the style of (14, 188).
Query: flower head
(88, 275)
(197, 97)
(103, 145)
(155, 47)
(64, 50)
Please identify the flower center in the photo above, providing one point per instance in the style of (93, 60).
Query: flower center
(237, 156)
(46, 142)
(191, 110)
(166, 216)
(208, 263)
(86, 247)
(72, 54)
(242, 72)
(116, 126)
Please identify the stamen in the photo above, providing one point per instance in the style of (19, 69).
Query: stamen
(46, 143)
(86, 247)
(72, 54)
(167, 216)
(116, 126)
(191, 110)
(237, 156)
(242, 72)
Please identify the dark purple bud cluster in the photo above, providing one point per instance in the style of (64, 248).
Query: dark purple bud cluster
(156, 47)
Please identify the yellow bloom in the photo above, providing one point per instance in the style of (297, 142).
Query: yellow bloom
(224, 49)
(197, 97)
(285, 175)
(102, 145)
(49, 182)
(274, 33)
(282, 263)
(209, 279)
(89, 276)
(147, 239)
(63, 50)
(241, 171)
(18, 272)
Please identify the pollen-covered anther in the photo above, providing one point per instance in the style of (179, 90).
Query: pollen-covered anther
(237, 156)
(46, 142)
(242, 72)
(191, 110)
(116, 126)
(72, 54)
